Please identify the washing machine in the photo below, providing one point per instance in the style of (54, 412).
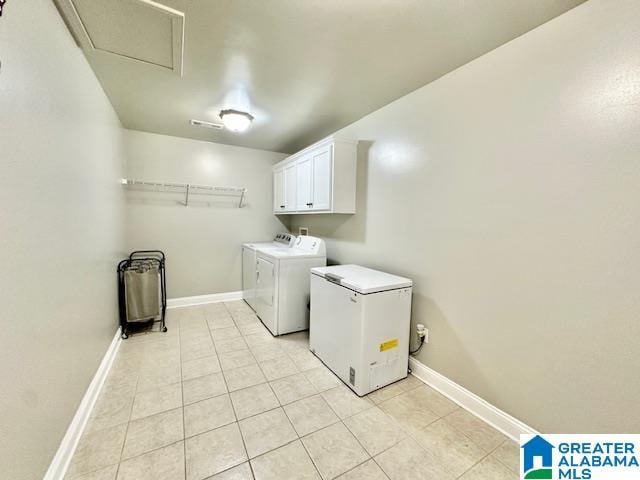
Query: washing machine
(281, 240)
(282, 283)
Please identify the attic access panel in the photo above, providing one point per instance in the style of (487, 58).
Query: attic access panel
(141, 30)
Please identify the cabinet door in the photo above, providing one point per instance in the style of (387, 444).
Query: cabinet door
(304, 174)
(278, 191)
(290, 182)
(322, 180)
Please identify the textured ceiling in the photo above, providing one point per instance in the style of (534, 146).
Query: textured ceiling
(303, 68)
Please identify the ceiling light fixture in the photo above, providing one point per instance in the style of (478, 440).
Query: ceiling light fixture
(235, 120)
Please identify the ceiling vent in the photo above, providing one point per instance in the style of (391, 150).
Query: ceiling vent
(140, 30)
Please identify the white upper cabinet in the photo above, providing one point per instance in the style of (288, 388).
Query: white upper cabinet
(319, 179)
(304, 176)
(278, 190)
(290, 182)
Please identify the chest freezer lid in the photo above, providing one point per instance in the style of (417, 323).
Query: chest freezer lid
(361, 279)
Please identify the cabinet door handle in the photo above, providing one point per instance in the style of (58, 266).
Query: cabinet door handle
(281, 206)
(309, 204)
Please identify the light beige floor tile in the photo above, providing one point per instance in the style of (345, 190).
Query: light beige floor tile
(489, 469)
(250, 327)
(448, 447)
(278, 367)
(200, 367)
(241, 472)
(266, 351)
(98, 449)
(244, 318)
(266, 431)
(375, 430)
(304, 359)
(120, 385)
(157, 400)
(207, 415)
(253, 400)
(292, 388)
(237, 359)
(166, 463)
(158, 377)
(407, 460)
(258, 338)
(244, 377)
(214, 308)
(482, 434)
(155, 361)
(220, 321)
(509, 455)
(150, 433)
(285, 462)
(334, 450)
(295, 341)
(195, 335)
(108, 473)
(385, 393)
(110, 410)
(194, 353)
(213, 452)
(166, 351)
(427, 397)
(230, 344)
(409, 413)
(225, 333)
(369, 470)
(201, 388)
(322, 378)
(192, 323)
(238, 306)
(410, 383)
(344, 402)
(310, 414)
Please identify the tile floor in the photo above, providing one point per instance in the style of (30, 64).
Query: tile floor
(217, 397)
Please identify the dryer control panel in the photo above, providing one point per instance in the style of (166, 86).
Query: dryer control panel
(312, 245)
(285, 238)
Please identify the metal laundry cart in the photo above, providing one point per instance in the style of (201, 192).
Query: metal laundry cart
(142, 289)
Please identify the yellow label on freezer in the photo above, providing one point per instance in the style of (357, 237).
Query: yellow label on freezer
(389, 344)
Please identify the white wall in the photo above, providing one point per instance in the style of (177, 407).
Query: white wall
(509, 191)
(61, 224)
(203, 241)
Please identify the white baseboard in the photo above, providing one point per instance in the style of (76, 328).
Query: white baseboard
(67, 448)
(510, 426)
(203, 299)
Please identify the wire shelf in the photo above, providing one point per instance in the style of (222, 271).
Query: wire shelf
(191, 189)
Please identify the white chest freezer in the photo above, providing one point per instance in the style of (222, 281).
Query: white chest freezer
(359, 324)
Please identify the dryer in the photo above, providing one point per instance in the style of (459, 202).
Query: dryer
(281, 240)
(282, 284)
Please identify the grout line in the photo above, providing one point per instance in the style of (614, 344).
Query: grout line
(184, 426)
(126, 432)
(233, 408)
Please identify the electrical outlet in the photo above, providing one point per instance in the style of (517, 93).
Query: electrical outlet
(303, 231)
(422, 332)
